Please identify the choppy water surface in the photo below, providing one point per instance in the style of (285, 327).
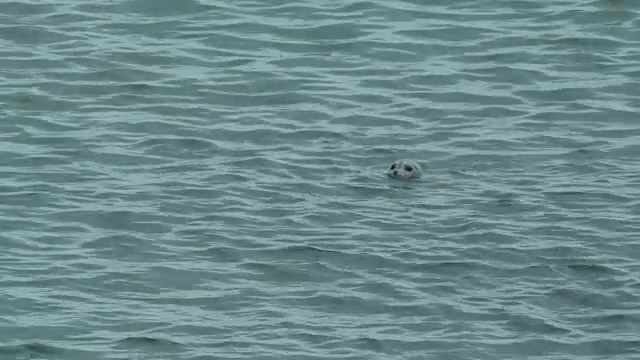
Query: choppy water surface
(206, 179)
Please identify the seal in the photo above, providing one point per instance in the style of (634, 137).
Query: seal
(405, 170)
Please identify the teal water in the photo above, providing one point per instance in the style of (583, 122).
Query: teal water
(206, 179)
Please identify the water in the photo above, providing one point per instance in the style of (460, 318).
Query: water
(206, 179)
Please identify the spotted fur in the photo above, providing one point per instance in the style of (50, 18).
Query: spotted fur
(404, 169)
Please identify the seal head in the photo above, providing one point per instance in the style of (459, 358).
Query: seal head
(405, 170)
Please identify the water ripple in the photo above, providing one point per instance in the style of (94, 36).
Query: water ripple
(206, 180)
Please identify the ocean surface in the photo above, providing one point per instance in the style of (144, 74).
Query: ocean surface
(203, 179)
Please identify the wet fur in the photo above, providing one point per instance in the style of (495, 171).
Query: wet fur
(405, 170)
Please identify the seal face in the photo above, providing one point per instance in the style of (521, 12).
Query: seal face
(404, 169)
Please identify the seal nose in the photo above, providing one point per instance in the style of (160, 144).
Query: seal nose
(395, 173)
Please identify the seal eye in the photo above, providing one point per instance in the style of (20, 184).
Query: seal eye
(393, 166)
(408, 168)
